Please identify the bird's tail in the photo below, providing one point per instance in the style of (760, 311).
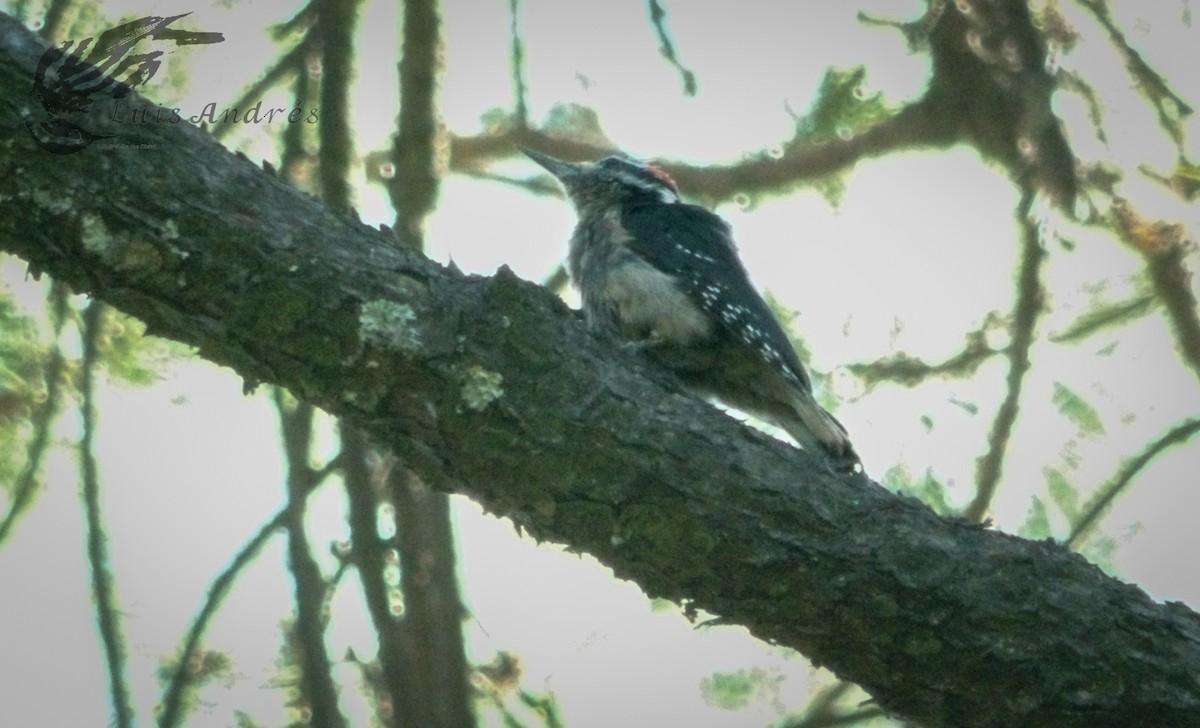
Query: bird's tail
(818, 431)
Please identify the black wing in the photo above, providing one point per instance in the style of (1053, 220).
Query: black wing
(696, 247)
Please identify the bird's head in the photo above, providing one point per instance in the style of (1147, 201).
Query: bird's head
(610, 181)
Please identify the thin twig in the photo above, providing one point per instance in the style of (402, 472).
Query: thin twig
(366, 551)
(303, 18)
(823, 705)
(336, 29)
(1025, 315)
(1172, 283)
(284, 67)
(42, 419)
(1105, 316)
(658, 18)
(414, 189)
(1072, 81)
(1108, 493)
(1149, 82)
(294, 159)
(823, 712)
(861, 715)
(910, 371)
(1163, 246)
(310, 587)
(521, 110)
(172, 703)
(915, 32)
(540, 185)
(97, 543)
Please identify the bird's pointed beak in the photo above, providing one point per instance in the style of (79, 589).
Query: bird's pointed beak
(564, 171)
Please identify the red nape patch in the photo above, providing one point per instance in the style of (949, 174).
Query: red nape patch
(662, 176)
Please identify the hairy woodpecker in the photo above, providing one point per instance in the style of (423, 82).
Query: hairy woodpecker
(653, 269)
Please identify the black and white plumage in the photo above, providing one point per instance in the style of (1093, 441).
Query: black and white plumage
(654, 269)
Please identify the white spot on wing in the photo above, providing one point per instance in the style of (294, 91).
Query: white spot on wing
(694, 253)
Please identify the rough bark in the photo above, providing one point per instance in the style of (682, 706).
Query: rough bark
(490, 387)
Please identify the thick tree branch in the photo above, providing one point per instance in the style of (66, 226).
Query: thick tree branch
(917, 125)
(491, 385)
(989, 89)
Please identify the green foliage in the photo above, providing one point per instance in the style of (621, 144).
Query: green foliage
(842, 107)
(1064, 493)
(970, 408)
(831, 187)
(36, 378)
(245, 721)
(90, 19)
(525, 709)
(127, 354)
(203, 667)
(1077, 410)
(575, 121)
(1063, 507)
(658, 605)
(496, 120)
(23, 360)
(736, 690)
(786, 316)
(9, 440)
(1186, 179)
(1037, 522)
(1101, 550)
(1063, 496)
(125, 351)
(928, 489)
(841, 110)
(728, 690)
(1107, 315)
(544, 706)
(567, 120)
